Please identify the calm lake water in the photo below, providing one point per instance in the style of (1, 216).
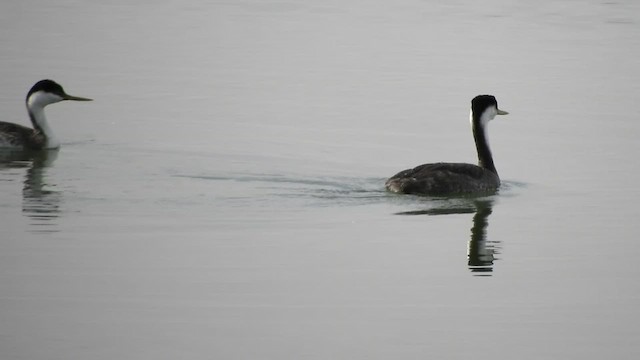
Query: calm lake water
(222, 197)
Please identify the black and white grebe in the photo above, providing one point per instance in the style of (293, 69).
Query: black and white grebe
(15, 136)
(441, 179)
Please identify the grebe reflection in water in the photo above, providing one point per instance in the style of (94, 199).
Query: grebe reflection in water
(40, 202)
(481, 253)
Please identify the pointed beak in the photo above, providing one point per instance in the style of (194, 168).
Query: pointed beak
(76, 98)
(502, 112)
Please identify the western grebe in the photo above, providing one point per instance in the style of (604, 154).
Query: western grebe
(43, 93)
(457, 178)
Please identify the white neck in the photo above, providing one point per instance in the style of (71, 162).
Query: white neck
(41, 124)
(35, 107)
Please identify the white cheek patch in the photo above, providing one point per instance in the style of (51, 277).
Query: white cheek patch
(488, 115)
(42, 99)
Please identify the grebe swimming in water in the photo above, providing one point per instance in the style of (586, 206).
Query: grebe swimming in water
(440, 179)
(15, 136)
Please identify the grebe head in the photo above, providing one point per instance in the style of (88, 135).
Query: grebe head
(46, 92)
(484, 108)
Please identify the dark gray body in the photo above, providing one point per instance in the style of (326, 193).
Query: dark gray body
(444, 179)
(19, 136)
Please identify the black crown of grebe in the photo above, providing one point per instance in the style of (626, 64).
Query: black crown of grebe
(441, 179)
(43, 93)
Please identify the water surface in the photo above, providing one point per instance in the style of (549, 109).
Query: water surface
(223, 195)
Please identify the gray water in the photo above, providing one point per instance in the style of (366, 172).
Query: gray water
(222, 197)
